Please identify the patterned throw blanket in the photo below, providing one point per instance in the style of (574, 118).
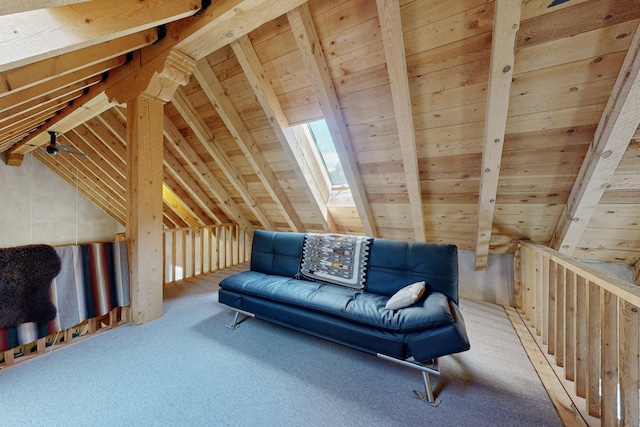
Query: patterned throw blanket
(337, 259)
(93, 279)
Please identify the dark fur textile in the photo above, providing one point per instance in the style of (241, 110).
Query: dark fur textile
(26, 273)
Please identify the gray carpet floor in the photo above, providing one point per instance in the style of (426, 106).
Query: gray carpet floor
(188, 369)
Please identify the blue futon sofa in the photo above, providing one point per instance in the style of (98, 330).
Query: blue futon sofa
(275, 290)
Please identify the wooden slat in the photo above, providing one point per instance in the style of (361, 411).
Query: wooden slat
(309, 45)
(316, 190)
(561, 401)
(609, 347)
(593, 365)
(617, 126)
(200, 170)
(227, 112)
(393, 42)
(190, 185)
(90, 23)
(178, 204)
(208, 142)
(579, 339)
(506, 23)
(629, 363)
(570, 325)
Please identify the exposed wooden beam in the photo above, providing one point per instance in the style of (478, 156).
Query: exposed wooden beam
(198, 36)
(309, 45)
(101, 148)
(619, 122)
(7, 7)
(181, 175)
(145, 207)
(393, 42)
(107, 173)
(177, 204)
(215, 93)
(200, 170)
(506, 22)
(34, 35)
(316, 192)
(21, 78)
(209, 143)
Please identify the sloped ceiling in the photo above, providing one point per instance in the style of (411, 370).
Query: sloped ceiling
(472, 122)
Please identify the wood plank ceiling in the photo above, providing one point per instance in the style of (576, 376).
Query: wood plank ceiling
(472, 122)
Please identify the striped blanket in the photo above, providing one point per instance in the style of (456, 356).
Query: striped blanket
(93, 280)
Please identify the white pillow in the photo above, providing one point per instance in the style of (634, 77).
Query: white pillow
(406, 296)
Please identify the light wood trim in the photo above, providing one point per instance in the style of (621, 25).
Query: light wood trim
(145, 207)
(216, 94)
(295, 151)
(188, 112)
(311, 49)
(177, 204)
(393, 42)
(618, 124)
(91, 23)
(200, 169)
(505, 26)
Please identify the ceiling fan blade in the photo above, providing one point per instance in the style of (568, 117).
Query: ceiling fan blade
(75, 153)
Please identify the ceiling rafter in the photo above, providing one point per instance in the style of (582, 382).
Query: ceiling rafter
(89, 168)
(215, 93)
(208, 141)
(200, 170)
(393, 42)
(91, 23)
(618, 124)
(506, 23)
(95, 157)
(86, 186)
(92, 142)
(263, 89)
(181, 176)
(19, 79)
(175, 197)
(310, 47)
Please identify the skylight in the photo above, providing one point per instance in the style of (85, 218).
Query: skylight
(324, 142)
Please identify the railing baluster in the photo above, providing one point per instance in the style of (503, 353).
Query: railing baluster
(593, 350)
(628, 361)
(609, 357)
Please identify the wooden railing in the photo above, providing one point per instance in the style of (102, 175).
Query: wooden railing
(194, 251)
(589, 323)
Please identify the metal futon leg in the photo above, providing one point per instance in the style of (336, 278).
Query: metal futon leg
(236, 321)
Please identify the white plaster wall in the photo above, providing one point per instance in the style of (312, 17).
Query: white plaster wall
(495, 284)
(37, 206)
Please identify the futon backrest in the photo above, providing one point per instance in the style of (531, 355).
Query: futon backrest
(394, 264)
(276, 252)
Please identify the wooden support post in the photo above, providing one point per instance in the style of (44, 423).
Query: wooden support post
(144, 206)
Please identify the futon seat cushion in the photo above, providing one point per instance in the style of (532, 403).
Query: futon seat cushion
(365, 308)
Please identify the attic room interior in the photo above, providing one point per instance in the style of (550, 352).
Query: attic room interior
(178, 128)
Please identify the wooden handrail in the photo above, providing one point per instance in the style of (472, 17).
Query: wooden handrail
(193, 251)
(590, 324)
